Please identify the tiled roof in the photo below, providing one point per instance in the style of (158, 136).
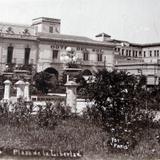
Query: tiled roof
(72, 38)
(16, 28)
(64, 37)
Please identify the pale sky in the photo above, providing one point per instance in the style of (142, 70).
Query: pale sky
(130, 20)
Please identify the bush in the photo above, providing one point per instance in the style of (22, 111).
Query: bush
(52, 114)
(23, 114)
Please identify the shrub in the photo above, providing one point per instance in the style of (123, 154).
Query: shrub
(21, 113)
(24, 114)
(50, 115)
(4, 113)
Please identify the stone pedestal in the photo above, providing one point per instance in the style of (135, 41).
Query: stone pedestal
(72, 73)
(7, 90)
(20, 89)
(71, 95)
(26, 92)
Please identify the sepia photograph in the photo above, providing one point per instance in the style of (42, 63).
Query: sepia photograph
(79, 80)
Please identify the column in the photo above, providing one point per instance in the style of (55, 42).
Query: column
(20, 89)
(7, 90)
(26, 92)
(71, 95)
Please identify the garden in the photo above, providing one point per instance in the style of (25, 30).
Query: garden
(120, 124)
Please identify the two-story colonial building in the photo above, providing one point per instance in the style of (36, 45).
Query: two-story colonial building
(40, 46)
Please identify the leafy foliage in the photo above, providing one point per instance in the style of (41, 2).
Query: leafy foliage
(16, 114)
(119, 99)
(78, 78)
(45, 81)
(22, 114)
(50, 115)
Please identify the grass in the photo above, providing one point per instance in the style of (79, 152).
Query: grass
(76, 134)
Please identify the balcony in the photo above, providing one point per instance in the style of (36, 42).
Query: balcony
(93, 63)
(9, 67)
(129, 61)
(12, 67)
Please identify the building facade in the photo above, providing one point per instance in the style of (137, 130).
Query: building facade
(41, 47)
(138, 59)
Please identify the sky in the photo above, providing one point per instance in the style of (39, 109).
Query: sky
(131, 20)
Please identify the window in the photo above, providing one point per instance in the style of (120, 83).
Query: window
(9, 55)
(133, 53)
(26, 55)
(85, 56)
(50, 29)
(118, 49)
(144, 53)
(126, 52)
(157, 53)
(129, 53)
(140, 53)
(122, 52)
(99, 57)
(150, 53)
(55, 54)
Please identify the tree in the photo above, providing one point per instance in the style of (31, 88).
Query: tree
(154, 98)
(45, 81)
(118, 99)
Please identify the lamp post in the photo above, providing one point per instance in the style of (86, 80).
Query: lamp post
(70, 60)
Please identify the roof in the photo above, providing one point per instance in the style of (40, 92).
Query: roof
(117, 41)
(72, 38)
(16, 28)
(135, 44)
(103, 35)
(45, 19)
(126, 42)
(151, 44)
(15, 24)
(63, 37)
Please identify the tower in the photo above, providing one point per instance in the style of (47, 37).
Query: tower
(46, 25)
